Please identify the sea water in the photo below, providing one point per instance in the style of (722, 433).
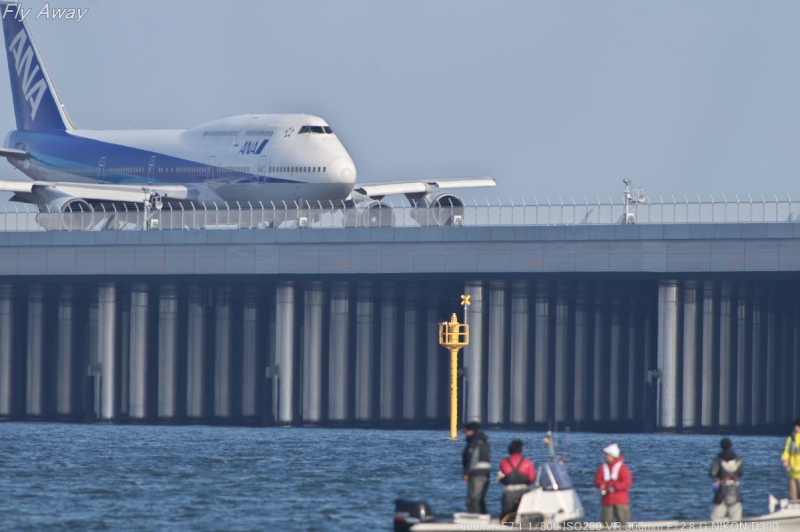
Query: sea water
(124, 477)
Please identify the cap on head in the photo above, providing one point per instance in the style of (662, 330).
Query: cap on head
(726, 443)
(472, 425)
(796, 422)
(612, 450)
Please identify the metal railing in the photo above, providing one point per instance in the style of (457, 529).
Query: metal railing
(775, 209)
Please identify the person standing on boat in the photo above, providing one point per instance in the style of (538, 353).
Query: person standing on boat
(791, 460)
(727, 467)
(516, 474)
(614, 479)
(476, 462)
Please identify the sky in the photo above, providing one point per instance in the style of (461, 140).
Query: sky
(551, 98)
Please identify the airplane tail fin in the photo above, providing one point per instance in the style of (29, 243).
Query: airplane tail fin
(36, 103)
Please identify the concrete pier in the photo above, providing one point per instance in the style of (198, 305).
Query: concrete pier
(6, 351)
(34, 398)
(65, 367)
(411, 347)
(168, 353)
(339, 361)
(285, 350)
(196, 354)
(519, 352)
(496, 355)
(106, 350)
(137, 402)
(388, 353)
(596, 328)
(668, 351)
(251, 370)
(365, 337)
(312, 352)
(689, 409)
(473, 353)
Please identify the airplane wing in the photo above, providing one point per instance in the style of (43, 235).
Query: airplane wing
(379, 190)
(96, 192)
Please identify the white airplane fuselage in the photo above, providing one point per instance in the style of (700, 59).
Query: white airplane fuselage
(248, 158)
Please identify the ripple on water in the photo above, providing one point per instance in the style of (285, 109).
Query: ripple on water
(105, 477)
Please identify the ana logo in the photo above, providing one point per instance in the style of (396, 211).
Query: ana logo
(23, 60)
(253, 146)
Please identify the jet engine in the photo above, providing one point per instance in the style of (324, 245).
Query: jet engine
(368, 213)
(67, 213)
(437, 209)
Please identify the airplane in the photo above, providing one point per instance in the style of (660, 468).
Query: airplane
(253, 159)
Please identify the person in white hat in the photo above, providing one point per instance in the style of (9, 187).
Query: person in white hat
(614, 479)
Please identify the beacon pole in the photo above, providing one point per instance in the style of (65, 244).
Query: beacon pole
(454, 336)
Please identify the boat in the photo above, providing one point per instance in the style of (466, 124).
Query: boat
(553, 504)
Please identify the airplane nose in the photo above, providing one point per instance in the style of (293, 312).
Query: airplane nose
(343, 170)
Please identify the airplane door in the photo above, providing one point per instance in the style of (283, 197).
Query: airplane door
(151, 170)
(102, 168)
(210, 171)
(262, 168)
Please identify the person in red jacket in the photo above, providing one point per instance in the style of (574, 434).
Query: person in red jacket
(614, 479)
(516, 473)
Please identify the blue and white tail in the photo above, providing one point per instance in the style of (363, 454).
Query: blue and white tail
(36, 103)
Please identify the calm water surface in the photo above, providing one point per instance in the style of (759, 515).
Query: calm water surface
(108, 477)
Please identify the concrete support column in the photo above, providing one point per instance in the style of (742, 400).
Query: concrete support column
(599, 366)
(689, 410)
(6, 352)
(168, 353)
(251, 373)
(473, 353)
(633, 360)
(497, 348)
(771, 379)
(92, 356)
(125, 354)
(411, 386)
(708, 350)
(312, 352)
(106, 344)
(581, 352)
(338, 366)
(195, 355)
(668, 351)
(222, 355)
(284, 349)
(562, 355)
(34, 399)
(615, 360)
(434, 353)
(541, 354)
(742, 356)
(64, 364)
(365, 334)
(756, 362)
(725, 355)
(519, 352)
(388, 390)
(137, 402)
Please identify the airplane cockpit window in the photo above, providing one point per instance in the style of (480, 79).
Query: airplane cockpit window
(319, 130)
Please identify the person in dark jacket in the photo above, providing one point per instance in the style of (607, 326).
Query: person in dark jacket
(476, 463)
(516, 474)
(727, 467)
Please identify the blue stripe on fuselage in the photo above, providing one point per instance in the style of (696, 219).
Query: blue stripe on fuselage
(61, 150)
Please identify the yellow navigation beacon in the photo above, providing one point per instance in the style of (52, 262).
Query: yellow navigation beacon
(454, 336)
